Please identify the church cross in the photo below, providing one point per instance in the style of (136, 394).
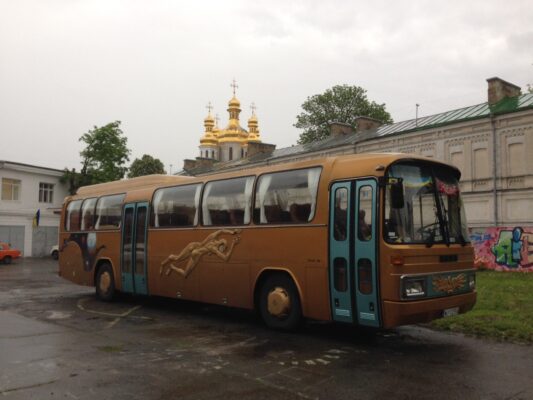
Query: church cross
(209, 107)
(234, 86)
(253, 107)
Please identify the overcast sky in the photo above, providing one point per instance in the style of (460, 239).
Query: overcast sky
(67, 65)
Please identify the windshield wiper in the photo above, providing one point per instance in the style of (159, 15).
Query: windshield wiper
(441, 214)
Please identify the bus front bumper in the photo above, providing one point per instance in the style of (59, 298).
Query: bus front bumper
(397, 313)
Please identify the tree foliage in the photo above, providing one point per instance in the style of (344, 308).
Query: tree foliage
(103, 157)
(146, 165)
(341, 103)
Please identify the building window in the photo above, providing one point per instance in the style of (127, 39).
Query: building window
(230, 153)
(46, 192)
(10, 189)
(481, 163)
(517, 159)
(457, 159)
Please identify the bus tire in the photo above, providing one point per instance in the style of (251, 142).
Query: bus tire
(279, 303)
(7, 260)
(55, 254)
(105, 283)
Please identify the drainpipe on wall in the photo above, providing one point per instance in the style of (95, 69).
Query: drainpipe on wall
(494, 169)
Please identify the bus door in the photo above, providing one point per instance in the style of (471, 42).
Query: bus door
(133, 248)
(365, 259)
(352, 252)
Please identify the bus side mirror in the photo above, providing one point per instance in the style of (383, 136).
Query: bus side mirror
(396, 192)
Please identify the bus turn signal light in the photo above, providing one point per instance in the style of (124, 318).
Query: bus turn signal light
(396, 260)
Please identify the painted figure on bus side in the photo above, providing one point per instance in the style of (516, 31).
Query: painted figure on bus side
(193, 252)
(87, 244)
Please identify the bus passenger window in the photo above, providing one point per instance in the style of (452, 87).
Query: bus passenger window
(87, 214)
(287, 197)
(72, 219)
(364, 220)
(176, 206)
(340, 214)
(109, 212)
(227, 202)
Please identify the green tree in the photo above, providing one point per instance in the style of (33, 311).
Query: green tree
(103, 157)
(147, 165)
(341, 103)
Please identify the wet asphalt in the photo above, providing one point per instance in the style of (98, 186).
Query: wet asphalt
(57, 341)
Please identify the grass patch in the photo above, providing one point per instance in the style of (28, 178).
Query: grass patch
(504, 308)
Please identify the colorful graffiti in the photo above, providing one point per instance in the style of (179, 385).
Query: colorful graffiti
(504, 249)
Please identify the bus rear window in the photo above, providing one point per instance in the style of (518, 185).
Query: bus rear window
(109, 212)
(72, 220)
(228, 202)
(176, 206)
(286, 197)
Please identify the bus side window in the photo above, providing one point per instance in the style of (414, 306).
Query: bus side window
(228, 202)
(287, 197)
(176, 206)
(72, 220)
(364, 223)
(109, 212)
(87, 214)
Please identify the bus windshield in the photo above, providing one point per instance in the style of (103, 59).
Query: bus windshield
(432, 211)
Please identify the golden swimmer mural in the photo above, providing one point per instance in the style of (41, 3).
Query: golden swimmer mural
(193, 252)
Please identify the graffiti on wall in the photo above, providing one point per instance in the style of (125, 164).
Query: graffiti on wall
(504, 249)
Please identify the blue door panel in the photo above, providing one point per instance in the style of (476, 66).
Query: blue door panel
(366, 276)
(134, 248)
(341, 270)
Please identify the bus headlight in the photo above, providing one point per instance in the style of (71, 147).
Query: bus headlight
(414, 288)
(472, 281)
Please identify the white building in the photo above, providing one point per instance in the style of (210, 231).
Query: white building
(26, 190)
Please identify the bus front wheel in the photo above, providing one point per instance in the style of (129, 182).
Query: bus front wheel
(279, 303)
(105, 283)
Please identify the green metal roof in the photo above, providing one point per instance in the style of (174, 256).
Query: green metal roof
(504, 106)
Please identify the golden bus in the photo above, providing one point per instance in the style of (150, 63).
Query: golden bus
(376, 240)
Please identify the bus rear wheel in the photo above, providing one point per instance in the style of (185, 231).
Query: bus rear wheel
(105, 283)
(7, 260)
(279, 303)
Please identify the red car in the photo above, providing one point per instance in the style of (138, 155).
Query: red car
(7, 254)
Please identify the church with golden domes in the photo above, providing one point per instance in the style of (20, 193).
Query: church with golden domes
(231, 142)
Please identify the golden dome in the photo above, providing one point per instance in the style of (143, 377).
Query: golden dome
(234, 102)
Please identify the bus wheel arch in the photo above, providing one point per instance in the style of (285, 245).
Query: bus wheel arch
(277, 297)
(104, 280)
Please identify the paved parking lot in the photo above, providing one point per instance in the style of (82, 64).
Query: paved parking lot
(58, 341)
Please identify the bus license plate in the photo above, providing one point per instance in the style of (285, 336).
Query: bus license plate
(450, 311)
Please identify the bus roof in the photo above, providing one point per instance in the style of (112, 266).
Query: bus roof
(345, 166)
(127, 185)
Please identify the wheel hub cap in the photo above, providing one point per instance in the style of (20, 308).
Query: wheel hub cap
(105, 282)
(279, 302)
